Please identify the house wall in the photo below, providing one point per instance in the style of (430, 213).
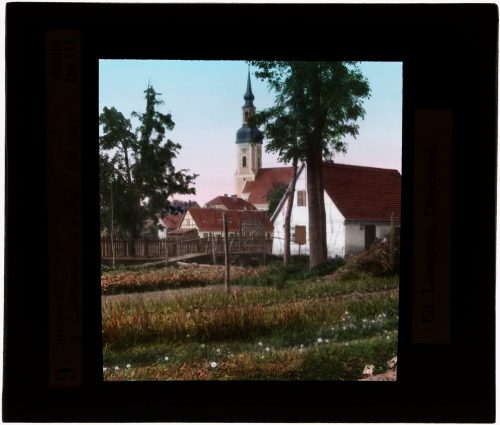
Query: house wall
(188, 222)
(355, 235)
(335, 229)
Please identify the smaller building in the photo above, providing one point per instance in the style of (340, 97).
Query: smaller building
(359, 203)
(168, 224)
(208, 222)
(232, 202)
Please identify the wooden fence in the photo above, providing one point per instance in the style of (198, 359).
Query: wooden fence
(177, 248)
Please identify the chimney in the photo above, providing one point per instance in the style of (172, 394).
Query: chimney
(234, 197)
(225, 195)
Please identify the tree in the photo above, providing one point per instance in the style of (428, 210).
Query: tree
(316, 105)
(138, 167)
(274, 196)
(281, 131)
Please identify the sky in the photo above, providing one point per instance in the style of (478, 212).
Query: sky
(205, 100)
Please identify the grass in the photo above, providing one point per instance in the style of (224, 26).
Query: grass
(306, 327)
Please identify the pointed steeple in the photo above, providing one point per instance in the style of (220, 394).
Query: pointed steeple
(249, 97)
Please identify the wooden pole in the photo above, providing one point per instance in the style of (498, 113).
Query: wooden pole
(112, 229)
(166, 244)
(226, 253)
(391, 242)
(214, 249)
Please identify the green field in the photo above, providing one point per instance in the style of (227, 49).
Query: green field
(276, 325)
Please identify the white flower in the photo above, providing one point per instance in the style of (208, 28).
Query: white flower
(166, 358)
(218, 350)
(346, 343)
(387, 337)
(202, 345)
(267, 348)
(393, 362)
(346, 313)
(343, 328)
(188, 336)
(327, 340)
(368, 370)
(301, 345)
(117, 368)
(320, 340)
(104, 369)
(260, 344)
(213, 365)
(128, 366)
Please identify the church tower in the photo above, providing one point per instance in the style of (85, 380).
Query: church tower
(248, 144)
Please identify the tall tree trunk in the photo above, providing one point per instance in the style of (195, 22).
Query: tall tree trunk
(288, 216)
(316, 206)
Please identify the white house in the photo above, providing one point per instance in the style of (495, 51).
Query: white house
(359, 202)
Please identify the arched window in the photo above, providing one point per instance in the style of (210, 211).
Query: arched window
(246, 116)
(244, 161)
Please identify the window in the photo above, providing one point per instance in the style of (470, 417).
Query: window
(244, 161)
(301, 198)
(246, 116)
(300, 235)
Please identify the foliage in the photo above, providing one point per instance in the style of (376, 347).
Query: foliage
(137, 170)
(324, 97)
(278, 275)
(317, 104)
(275, 195)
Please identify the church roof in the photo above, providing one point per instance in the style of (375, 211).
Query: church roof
(230, 203)
(249, 135)
(264, 181)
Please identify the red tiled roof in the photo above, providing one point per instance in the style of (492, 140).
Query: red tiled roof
(363, 193)
(231, 203)
(210, 220)
(172, 221)
(264, 181)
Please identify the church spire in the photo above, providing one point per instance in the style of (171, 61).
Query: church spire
(249, 97)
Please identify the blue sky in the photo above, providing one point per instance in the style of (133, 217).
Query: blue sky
(205, 100)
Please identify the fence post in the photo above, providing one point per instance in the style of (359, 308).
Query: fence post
(391, 242)
(226, 253)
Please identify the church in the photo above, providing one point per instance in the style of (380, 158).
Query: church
(252, 182)
(361, 202)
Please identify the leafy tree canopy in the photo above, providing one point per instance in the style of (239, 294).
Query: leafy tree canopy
(311, 98)
(136, 167)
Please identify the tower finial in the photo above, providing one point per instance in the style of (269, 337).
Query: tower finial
(249, 97)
